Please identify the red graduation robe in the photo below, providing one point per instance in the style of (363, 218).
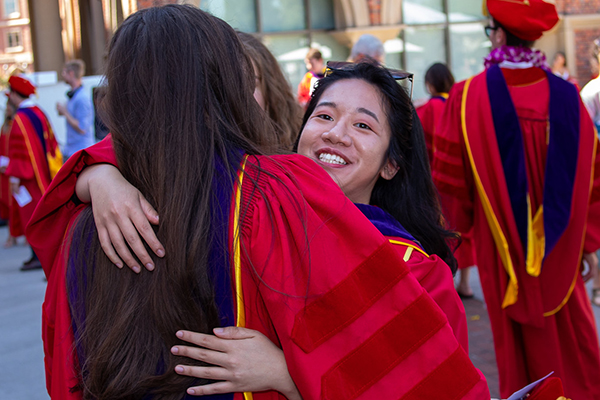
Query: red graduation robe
(436, 278)
(544, 323)
(365, 329)
(430, 114)
(30, 143)
(9, 209)
(5, 194)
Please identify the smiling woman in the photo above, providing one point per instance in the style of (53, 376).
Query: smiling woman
(360, 114)
(361, 129)
(348, 140)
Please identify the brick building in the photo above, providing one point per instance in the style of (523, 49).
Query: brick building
(579, 26)
(15, 42)
(416, 33)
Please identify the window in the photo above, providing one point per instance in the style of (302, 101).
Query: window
(423, 11)
(13, 41)
(424, 46)
(11, 9)
(446, 31)
(465, 11)
(287, 27)
(282, 15)
(240, 14)
(469, 46)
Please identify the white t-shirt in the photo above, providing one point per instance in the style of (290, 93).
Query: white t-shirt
(590, 94)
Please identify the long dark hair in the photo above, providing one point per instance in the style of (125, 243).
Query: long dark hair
(410, 195)
(280, 103)
(179, 99)
(440, 77)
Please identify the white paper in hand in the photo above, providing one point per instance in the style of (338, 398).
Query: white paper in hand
(4, 161)
(22, 196)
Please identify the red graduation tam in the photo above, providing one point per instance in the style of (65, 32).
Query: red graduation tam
(526, 19)
(550, 389)
(21, 86)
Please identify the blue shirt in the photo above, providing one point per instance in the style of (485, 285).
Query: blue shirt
(80, 107)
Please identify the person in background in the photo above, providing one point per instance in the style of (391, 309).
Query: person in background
(559, 65)
(369, 46)
(78, 110)
(439, 81)
(559, 68)
(590, 95)
(514, 161)
(33, 155)
(8, 210)
(273, 92)
(100, 128)
(316, 67)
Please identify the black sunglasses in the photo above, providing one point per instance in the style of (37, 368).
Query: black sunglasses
(397, 74)
(489, 29)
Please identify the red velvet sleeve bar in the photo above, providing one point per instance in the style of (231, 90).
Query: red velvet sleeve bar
(451, 170)
(436, 278)
(352, 320)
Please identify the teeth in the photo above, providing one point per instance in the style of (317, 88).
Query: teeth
(332, 159)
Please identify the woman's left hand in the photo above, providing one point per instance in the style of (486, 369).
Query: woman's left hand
(244, 361)
(591, 259)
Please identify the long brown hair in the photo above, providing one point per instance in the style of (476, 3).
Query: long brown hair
(280, 102)
(173, 112)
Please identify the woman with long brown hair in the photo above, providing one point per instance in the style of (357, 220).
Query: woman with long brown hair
(273, 92)
(249, 241)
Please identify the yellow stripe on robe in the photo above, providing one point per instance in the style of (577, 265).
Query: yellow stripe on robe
(36, 170)
(237, 259)
(510, 296)
(409, 250)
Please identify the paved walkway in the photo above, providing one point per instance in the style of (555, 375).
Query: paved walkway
(21, 353)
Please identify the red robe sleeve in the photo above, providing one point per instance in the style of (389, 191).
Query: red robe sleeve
(429, 114)
(46, 233)
(425, 113)
(451, 169)
(56, 207)
(352, 320)
(60, 358)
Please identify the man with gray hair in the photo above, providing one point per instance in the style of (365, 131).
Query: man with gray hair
(367, 46)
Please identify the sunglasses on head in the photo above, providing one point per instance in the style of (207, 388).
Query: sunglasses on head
(397, 74)
(489, 29)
